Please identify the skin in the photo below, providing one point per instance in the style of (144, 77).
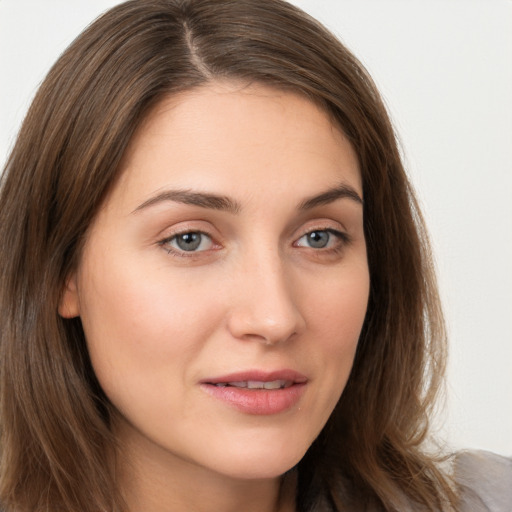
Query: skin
(255, 294)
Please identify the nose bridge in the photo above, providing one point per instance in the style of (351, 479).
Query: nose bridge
(265, 306)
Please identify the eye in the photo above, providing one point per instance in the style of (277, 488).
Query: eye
(321, 239)
(191, 241)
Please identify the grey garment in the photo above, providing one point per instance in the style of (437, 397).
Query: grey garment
(485, 481)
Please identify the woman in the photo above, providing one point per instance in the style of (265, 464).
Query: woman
(217, 292)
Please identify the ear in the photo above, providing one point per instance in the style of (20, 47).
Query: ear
(69, 305)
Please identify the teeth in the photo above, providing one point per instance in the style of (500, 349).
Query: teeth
(240, 384)
(255, 384)
(276, 384)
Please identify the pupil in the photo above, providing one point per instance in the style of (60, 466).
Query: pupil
(318, 239)
(189, 241)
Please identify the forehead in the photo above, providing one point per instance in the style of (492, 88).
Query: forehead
(226, 133)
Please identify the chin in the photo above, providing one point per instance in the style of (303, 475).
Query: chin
(258, 463)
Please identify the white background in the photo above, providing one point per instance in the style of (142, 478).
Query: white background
(444, 68)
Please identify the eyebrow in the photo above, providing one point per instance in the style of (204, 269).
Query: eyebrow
(201, 199)
(225, 203)
(342, 191)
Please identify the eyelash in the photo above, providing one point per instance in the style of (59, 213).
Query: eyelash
(343, 240)
(165, 243)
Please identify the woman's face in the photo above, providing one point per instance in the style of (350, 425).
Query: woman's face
(230, 255)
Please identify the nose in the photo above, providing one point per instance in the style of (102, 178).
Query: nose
(265, 303)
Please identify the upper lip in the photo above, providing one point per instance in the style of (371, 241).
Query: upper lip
(259, 376)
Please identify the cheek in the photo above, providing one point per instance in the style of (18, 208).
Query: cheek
(137, 322)
(338, 308)
(336, 313)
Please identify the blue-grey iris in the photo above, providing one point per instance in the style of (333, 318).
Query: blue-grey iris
(318, 239)
(189, 241)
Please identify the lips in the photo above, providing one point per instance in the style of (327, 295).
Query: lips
(258, 392)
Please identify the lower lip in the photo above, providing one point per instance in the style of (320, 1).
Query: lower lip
(257, 401)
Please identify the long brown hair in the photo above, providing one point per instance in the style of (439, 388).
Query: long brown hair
(55, 435)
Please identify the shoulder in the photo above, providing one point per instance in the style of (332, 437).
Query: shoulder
(484, 481)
